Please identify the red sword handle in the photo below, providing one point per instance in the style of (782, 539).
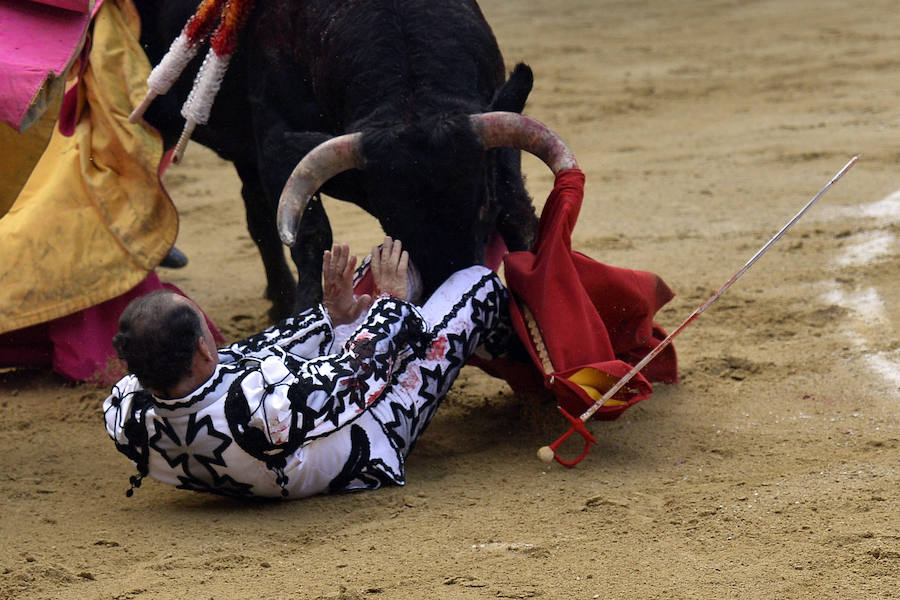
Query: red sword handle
(577, 427)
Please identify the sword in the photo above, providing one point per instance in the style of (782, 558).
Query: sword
(548, 453)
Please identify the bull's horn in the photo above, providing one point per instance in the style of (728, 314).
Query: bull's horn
(323, 162)
(512, 130)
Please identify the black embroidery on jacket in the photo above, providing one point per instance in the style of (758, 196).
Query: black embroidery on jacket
(359, 466)
(197, 455)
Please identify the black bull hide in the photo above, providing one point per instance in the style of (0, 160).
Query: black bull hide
(404, 73)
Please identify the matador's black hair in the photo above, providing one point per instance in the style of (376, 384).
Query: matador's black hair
(157, 339)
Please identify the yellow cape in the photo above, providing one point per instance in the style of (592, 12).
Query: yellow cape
(93, 218)
(20, 152)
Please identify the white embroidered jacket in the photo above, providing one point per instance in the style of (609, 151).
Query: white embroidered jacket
(284, 414)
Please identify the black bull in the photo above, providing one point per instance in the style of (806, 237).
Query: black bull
(406, 75)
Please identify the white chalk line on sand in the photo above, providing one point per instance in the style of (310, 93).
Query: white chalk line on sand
(888, 207)
(871, 246)
(870, 318)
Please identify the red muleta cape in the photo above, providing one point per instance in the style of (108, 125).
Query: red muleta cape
(585, 323)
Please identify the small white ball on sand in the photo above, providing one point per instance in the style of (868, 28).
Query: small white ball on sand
(545, 454)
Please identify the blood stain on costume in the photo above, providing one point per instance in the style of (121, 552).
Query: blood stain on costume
(411, 382)
(374, 396)
(438, 348)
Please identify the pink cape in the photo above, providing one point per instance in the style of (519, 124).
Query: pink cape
(37, 42)
(39, 39)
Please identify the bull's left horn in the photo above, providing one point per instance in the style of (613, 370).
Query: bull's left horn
(512, 130)
(318, 166)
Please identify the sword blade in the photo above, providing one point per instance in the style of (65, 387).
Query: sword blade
(668, 340)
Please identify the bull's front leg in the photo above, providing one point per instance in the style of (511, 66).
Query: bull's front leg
(313, 238)
(281, 288)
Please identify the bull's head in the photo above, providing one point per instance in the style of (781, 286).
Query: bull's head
(431, 186)
(342, 153)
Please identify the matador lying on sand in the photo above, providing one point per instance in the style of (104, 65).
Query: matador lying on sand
(296, 410)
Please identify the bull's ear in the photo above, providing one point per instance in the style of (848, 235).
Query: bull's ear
(512, 95)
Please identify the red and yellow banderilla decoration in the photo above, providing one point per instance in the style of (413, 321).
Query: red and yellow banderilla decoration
(220, 22)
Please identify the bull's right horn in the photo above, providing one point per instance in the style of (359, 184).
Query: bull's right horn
(512, 130)
(320, 164)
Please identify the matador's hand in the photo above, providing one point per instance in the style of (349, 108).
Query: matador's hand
(337, 286)
(389, 268)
